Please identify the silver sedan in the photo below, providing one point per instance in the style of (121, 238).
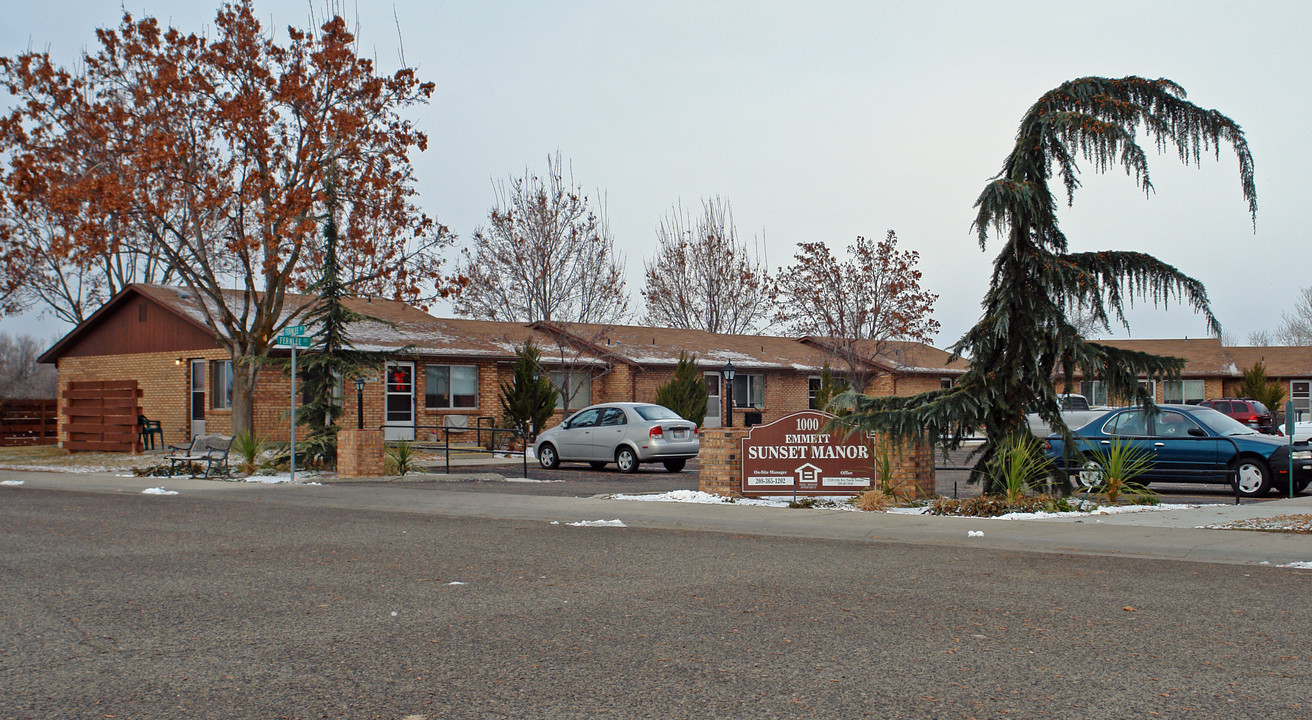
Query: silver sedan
(626, 434)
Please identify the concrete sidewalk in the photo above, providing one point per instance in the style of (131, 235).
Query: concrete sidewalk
(1161, 534)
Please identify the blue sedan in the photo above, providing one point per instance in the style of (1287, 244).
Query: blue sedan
(1187, 443)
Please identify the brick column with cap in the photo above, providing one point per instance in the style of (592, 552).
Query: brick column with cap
(360, 453)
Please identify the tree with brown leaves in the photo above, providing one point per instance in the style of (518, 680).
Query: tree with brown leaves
(857, 309)
(703, 277)
(210, 155)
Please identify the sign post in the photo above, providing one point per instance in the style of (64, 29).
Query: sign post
(293, 335)
(1289, 431)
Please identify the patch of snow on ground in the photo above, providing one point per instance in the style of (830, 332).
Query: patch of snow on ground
(12, 482)
(1102, 510)
(276, 479)
(697, 496)
(158, 491)
(1302, 565)
(598, 523)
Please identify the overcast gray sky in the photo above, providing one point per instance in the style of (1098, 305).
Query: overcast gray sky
(821, 121)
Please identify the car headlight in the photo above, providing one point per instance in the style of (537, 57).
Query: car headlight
(1302, 455)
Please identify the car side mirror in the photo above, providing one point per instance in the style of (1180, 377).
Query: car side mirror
(1197, 432)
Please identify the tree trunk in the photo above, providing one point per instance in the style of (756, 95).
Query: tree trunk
(243, 391)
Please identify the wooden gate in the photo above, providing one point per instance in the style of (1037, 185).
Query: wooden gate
(28, 422)
(101, 416)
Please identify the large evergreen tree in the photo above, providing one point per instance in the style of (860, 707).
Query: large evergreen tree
(528, 400)
(1026, 335)
(685, 393)
(334, 359)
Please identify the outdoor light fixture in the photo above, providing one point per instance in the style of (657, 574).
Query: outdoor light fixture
(359, 403)
(727, 372)
(177, 361)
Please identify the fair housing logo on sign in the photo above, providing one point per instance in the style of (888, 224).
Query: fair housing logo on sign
(795, 454)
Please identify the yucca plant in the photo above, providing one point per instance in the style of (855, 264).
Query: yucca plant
(1112, 470)
(249, 446)
(401, 457)
(1017, 467)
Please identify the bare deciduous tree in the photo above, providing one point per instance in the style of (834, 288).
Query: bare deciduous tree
(1296, 327)
(703, 278)
(544, 255)
(857, 309)
(21, 376)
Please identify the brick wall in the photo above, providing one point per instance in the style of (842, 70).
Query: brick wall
(720, 461)
(911, 466)
(165, 385)
(360, 454)
(167, 392)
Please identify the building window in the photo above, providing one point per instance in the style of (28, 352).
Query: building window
(221, 384)
(1096, 392)
(1300, 392)
(813, 387)
(573, 388)
(946, 383)
(749, 390)
(450, 386)
(1183, 392)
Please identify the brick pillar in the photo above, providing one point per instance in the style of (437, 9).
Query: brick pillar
(720, 461)
(360, 453)
(912, 466)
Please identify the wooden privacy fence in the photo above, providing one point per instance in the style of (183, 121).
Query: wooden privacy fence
(28, 422)
(102, 415)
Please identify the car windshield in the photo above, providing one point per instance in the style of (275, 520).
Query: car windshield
(1221, 424)
(656, 412)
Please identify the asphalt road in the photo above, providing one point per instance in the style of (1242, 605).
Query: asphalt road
(136, 606)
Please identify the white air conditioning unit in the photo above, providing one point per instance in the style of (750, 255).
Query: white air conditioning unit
(456, 421)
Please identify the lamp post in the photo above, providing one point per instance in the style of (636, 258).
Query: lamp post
(727, 372)
(359, 403)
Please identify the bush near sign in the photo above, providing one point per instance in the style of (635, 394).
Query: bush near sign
(796, 454)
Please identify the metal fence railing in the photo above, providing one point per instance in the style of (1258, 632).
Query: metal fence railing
(485, 441)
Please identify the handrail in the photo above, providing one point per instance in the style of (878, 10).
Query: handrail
(446, 440)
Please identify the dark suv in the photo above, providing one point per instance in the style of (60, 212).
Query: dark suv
(1249, 412)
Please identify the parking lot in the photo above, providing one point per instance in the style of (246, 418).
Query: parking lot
(579, 480)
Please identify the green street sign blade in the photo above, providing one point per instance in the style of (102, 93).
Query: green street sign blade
(292, 330)
(292, 340)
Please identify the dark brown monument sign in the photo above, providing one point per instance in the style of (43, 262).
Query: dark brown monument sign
(796, 454)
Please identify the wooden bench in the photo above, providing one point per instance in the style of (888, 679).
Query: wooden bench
(212, 450)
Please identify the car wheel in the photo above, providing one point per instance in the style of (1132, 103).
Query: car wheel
(597, 464)
(1254, 477)
(1301, 485)
(626, 459)
(675, 465)
(547, 456)
(1089, 476)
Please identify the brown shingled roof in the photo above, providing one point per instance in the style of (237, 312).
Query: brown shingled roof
(395, 325)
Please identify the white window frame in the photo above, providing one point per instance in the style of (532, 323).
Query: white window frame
(580, 385)
(1096, 390)
(755, 384)
(1198, 394)
(433, 371)
(220, 391)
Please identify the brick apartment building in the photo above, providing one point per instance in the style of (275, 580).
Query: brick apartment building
(448, 372)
